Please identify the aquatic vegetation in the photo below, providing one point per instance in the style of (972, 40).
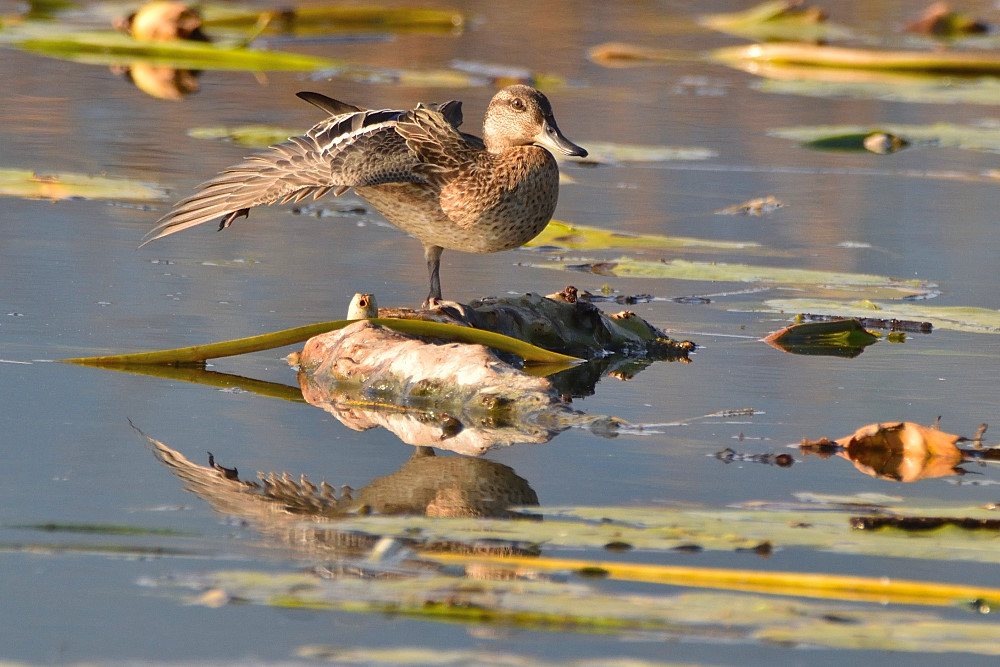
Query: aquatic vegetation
(113, 48)
(200, 353)
(953, 318)
(687, 270)
(778, 20)
(845, 337)
(33, 185)
(937, 135)
(581, 237)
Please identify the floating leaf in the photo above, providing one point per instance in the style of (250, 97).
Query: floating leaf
(841, 338)
(686, 270)
(580, 237)
(428, 78)
(873, 84)
(954, 318)
(114, 48)
(778, 21)
(252, 136)
(874, 142)
(31, 185)
(947, 135)
(340, 18)
(612, 153)
(924, 637)
(934, 62)
(808, 526)
(541, 604)
(199, 353)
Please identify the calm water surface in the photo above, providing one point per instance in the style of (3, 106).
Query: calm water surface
(73, 284)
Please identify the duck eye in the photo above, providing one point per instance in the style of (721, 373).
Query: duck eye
(517, 103)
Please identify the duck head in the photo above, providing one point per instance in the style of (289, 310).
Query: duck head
(519, 115)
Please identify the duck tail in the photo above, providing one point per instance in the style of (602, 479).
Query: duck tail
(287, 171)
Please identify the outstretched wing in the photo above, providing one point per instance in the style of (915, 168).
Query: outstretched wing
(353, 149)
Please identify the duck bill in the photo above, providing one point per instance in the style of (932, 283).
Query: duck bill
(550, 137)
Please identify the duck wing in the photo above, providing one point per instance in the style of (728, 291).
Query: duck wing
(442, 150)
(353, 149)
(328, 104)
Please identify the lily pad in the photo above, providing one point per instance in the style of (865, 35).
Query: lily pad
(614, 153)
(928, 62)
(251, 136)
(32, 185)
(916, 88)
(114, 48)
(779, 20)
(807, 526)
(948, 135)
(954, 318)
(541, 604)
(426, 78)
(846, 338)
(686, 270)
(339, 18)
(580, 237)
(577, 605)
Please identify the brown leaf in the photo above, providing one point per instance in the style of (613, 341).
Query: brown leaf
(902, 451)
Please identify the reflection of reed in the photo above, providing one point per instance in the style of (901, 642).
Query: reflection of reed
(281, 507)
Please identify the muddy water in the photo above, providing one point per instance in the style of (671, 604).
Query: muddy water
(73, 284)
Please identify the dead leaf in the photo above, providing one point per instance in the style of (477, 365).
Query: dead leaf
(839, 338)
(898, 451)
(755, 207)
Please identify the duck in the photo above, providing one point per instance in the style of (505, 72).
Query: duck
(449, 189)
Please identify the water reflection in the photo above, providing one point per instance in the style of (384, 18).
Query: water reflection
(472, 434)
(902, 452)
(165, 83)
(458, 431)
(463, 397)
(281, 507)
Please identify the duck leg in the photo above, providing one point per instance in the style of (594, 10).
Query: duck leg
(432, 253)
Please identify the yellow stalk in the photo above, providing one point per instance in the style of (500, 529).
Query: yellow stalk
(199, 353)
(800, 584)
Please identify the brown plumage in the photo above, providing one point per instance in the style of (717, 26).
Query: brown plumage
(447, 188)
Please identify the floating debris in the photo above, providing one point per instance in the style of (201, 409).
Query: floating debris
(754, 207)
(728, 455)
(163, 21)
(781, 20)
(938, 20)
(841, 338)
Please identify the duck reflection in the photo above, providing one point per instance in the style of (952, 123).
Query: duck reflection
(281, 506)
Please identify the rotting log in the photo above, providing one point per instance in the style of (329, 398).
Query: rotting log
(562, 322)
(367, 375)
(465, 397)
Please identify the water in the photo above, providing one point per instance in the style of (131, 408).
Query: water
(73, 284)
